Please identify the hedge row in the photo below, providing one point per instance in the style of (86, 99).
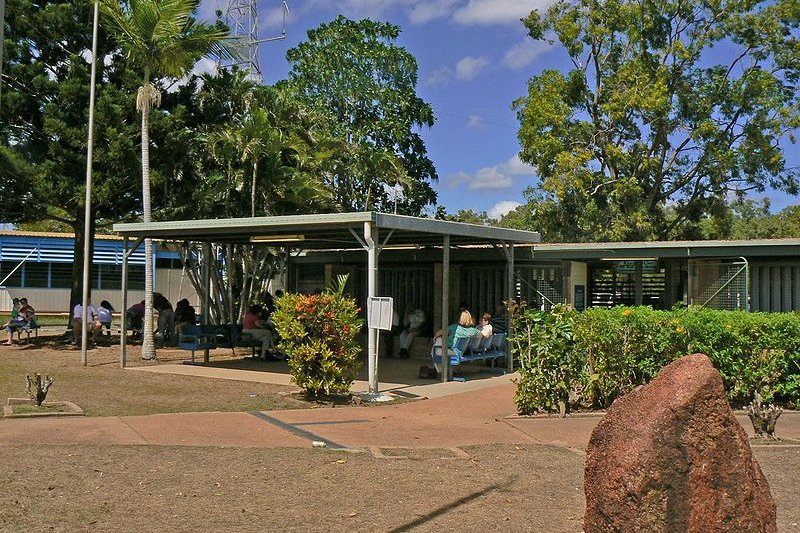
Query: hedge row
(572, 360)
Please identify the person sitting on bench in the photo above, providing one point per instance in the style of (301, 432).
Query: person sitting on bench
(258, 328)
(166, 317)
(464, 329)
(135, 318)
(105, 315)
(415, 319)
(93, 325)
(184, 314)
(26, 318)
(485, 325)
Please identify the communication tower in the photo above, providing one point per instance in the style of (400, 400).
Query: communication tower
(242, 18)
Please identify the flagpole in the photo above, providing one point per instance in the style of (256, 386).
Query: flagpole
(87, 220)
(2, 30)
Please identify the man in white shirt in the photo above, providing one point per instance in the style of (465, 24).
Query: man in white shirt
(415, 319)
(92, 321)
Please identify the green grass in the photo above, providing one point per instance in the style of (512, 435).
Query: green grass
(25, 409)
(104, 389)
(42, 320)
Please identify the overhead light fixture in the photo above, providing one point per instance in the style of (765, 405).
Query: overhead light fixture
(629, 259)
(277, 238)
(401, 247)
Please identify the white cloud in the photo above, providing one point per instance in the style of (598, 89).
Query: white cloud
(465, 69)
(517, 167)
(458, 179)
(524, 53)
(496, 177)
(475, 121)
(484, 12)
(272, 19)
(425, 11)
(469, 67)
(354, 9)
(204, 66)
(440, 77)
(490, 178)
(501, 209)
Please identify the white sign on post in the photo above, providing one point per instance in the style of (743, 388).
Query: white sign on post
(380, 311)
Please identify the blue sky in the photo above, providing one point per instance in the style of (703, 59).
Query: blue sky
(474, 60)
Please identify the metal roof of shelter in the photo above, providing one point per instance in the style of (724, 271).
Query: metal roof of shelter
(326, 231)
(668, 249)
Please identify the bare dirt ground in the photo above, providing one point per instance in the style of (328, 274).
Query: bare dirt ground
(505, 488)
(115, 489)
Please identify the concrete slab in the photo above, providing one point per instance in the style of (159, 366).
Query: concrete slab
(407, 387)
(105, 430)
(470, 418)
(212, 429)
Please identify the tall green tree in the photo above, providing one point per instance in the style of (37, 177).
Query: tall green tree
(243, 149)
(162, 38)
(753, 220)
(43, 124)
(669, 108)
(355, 74)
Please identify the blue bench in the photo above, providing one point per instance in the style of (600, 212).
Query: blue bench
(208, 336)
(27, 328)
(477, 348)
(193, 337)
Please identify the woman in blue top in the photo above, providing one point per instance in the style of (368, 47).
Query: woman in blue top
(463, 330)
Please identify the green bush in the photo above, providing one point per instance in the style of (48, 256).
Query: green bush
(611, 351)
(542, 344)
(319, 334)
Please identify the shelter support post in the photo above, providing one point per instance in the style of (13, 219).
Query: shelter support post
(445, 306)
(207, 253)
(286, 256)
(746, 283)
(370, 236)
(509, 251)
(638, 296)
(123, 335)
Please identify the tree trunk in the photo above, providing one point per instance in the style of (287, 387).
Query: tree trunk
(253, 189)
(76, 288)
(148, 346)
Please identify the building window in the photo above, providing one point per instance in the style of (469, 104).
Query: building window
(60, 275)
(37, 275)
(15, 279)
(171, 263)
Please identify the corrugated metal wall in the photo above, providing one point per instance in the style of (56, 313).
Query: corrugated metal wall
(775, 286)
(168, 282)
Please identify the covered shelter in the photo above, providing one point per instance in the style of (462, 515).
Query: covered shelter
(753, 275)
(369, 232)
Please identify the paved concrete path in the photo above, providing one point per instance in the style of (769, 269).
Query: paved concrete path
(465, 417)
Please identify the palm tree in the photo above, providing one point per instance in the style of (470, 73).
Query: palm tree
(162, 38)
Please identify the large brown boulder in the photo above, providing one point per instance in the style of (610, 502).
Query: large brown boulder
(671, 457)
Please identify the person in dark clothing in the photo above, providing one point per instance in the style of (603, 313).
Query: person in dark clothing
(500, 319)
(184, 314)
(135, 318)
(166, 316)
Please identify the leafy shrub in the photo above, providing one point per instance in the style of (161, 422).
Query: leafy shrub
(319, 334)
(611, 351)
(542, 343)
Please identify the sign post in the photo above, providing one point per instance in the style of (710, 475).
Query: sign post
(380, 312)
